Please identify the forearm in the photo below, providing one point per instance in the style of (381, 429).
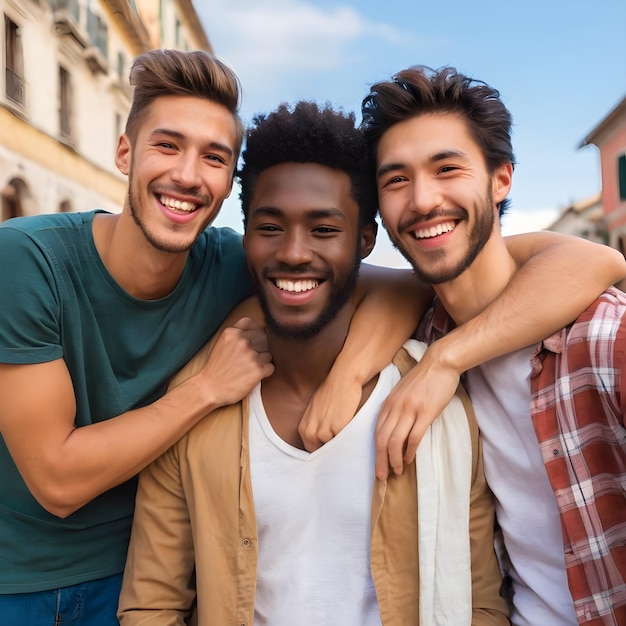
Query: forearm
(95, 458)
(557, 279)
(389, 306)
(65, 467)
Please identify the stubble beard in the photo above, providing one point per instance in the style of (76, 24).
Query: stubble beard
(479, 236)
(343, 286)
(160, 244)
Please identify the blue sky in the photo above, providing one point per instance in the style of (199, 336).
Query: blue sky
(559, 65)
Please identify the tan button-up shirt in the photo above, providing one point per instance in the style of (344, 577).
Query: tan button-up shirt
(194, 541)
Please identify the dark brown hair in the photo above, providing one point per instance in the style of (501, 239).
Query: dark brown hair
(420, 89)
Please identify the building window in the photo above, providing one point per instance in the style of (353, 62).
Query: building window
(98, 33)
(178, 35)
(11, 197)
(121, 66)
(119, 128)
(65, 103)
(621, 176)
(14, 69)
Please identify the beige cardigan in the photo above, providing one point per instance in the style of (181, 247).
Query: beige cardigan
(195, 529)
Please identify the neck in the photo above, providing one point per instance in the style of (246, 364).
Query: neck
(141, 270)
(304, 364)
(300, 367)
(480, 284)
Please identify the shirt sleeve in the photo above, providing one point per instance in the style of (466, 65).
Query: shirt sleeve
(30, 306)
(159, 583)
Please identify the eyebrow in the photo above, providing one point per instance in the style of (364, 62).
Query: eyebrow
(270, 211)
(215, 145)
(434, 158)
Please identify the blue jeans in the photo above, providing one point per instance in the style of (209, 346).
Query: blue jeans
(93, 603)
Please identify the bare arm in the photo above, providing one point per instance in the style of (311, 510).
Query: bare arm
(390, 305)
(65, 467)
(559, 277)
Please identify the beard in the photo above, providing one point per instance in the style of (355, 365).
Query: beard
(434, 270)
(160, 243)
(343, 283)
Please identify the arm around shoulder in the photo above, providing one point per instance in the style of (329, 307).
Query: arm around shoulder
(66, 467)
(389, 305)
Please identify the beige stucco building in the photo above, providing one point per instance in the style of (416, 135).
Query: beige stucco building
(64, 95)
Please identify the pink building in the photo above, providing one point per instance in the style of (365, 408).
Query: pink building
(610, 138)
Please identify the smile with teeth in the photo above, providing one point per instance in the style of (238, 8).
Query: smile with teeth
(178, 206)
(433, 231)
(295, 286)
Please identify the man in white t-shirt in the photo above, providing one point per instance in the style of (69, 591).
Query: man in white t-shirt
(551, 415)
(238, 523)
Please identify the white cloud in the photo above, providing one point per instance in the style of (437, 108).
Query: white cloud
(524, 221)
(272, 44)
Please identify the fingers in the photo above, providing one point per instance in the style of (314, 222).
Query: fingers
(388, 438)
(256, 336)
(409, 410)
(238, 361)
(254, 333)
(313, 435)
(332, 406)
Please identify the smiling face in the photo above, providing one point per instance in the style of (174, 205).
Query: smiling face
(180, 169)
(304, 245)
(437, 199)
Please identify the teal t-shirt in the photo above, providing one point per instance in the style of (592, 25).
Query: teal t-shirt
(57, 300)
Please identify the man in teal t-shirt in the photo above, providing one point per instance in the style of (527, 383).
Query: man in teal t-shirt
(118, 350)
(98, 310)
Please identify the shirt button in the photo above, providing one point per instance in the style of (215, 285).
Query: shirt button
(555, 452)
(246, 543)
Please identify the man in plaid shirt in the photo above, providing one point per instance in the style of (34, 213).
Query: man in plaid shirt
(552, 416)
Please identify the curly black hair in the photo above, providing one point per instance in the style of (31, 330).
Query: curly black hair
(309, 133)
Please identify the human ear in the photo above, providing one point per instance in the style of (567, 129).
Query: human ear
(123, 154)
(368, 238)
(501, 181)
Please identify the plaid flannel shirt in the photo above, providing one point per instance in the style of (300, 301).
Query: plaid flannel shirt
(577, 409)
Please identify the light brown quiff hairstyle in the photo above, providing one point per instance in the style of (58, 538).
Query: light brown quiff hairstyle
(168, 72)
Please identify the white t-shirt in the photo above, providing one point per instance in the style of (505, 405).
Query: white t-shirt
(525, 504)
(313, 517)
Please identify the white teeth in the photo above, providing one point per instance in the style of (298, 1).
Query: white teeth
(296, 286)
(177, 205)
(433, 231)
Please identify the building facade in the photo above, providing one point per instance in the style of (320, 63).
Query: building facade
(64, 95)
(610, 138)
(584, 218)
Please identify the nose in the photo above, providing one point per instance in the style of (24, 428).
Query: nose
(294, 248)
(186, 172)
(425, 195)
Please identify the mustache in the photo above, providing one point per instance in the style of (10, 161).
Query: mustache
(416, 220)
(188, 192)
(299, 270)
